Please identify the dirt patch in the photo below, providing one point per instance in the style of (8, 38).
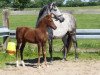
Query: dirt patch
(88, 67)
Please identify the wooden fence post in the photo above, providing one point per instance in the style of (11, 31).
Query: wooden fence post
(5, 17)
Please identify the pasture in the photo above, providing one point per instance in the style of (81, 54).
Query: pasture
(84, 21)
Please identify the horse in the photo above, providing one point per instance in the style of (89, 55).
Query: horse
(66, 29)
(37, 36)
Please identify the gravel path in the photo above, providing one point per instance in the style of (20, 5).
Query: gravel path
(88, 67)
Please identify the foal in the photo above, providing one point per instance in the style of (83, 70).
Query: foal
(37, 36)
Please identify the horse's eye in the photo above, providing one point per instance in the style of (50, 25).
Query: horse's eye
(55, 9)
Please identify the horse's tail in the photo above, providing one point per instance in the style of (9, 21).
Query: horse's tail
(69, 42)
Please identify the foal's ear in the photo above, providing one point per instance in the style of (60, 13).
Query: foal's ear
(49, 16)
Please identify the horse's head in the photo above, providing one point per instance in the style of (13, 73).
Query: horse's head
(49, 21)
(56, 12)
(50, 9)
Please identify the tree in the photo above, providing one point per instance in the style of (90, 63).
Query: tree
(23, 3)
(41, 3)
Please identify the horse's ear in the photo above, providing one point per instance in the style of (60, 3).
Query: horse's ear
(48, 11)
(55, 3)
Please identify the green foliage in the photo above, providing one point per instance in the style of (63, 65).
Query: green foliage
(20, 4)
(3, 4)
(79, 3)
(41, 3)
(15, 5)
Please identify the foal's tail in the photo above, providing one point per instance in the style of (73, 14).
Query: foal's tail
(20, 31)
(17, 38)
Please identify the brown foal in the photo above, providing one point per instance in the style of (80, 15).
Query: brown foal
(37, 36)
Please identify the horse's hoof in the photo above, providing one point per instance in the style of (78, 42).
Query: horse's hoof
(76, 59)
(39, 67)
(17, 64)
(63, 60)
(47, 65)
(23, 64)
(50, 62)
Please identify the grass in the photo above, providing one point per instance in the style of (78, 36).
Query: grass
(84, 21)
(78, 8)
(6, 59)
(88, 21)
(22, 20)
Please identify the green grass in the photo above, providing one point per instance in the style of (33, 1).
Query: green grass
(6, 59)
(22, 20)
(88, 21)
(84, 21)
(78, 8)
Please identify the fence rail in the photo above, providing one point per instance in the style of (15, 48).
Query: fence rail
(88, 33)
(80, 33)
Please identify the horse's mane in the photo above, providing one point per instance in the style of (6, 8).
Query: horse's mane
(43, 12)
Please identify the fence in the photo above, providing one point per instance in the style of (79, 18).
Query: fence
(80, 33)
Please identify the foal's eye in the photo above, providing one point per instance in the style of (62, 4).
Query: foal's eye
(50, 20)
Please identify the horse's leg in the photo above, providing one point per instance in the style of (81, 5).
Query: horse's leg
(17, 53)
(67, 41)
(64, 48)
(64, 53)
(39, 53)
(50, 48)
(75, 45)
(21, 53)
(44, 53)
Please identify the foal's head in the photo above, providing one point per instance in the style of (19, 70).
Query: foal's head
(49, 22)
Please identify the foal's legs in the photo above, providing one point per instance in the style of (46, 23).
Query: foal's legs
(21, 53)
(17, 53)
(39, 53)
(44, 53)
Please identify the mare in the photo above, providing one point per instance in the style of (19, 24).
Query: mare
(37, 36)
(66, 29)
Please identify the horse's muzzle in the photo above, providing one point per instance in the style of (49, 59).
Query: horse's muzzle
(62, 20)
(55, 27)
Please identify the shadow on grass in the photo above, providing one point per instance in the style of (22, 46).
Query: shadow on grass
(83, 56)
(32, 62)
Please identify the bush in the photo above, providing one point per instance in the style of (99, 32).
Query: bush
(3, 4)
(76, 4)
(15, 5)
